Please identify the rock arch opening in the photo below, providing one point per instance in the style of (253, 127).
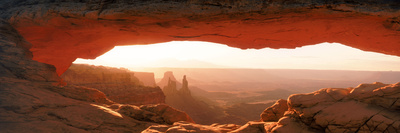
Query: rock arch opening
(87, 29)
(208, 77)
(62, 30)
(199, 54)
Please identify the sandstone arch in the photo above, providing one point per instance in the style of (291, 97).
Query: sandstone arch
(62, 30)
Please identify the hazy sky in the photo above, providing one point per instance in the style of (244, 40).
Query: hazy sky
(190, 54)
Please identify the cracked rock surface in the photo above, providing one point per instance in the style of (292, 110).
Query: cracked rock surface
(365, 108)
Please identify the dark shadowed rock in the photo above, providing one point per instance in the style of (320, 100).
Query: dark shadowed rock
(16, 59)
(31, 101)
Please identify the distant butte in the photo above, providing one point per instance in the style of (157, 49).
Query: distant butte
(63, 31)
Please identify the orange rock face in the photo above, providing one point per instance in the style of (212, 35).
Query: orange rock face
(275, 112)
(63, 31)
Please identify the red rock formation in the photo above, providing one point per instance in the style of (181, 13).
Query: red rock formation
(185, 87)
(169, 114)
(275, 112)
(82, 93)
(120, 85)
(366, 108)
(190, 127)
(170, 89)
(168, 77)
(16, 59)
(158, 113)
(31, 102)
(62, 31)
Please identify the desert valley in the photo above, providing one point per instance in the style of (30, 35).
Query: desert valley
(215, 95)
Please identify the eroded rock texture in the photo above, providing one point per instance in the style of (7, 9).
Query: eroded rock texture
(16, 59)
(366, 108)
(32, 101)
(62, 30)
(275, 112)
(119, 85)
(185, 127)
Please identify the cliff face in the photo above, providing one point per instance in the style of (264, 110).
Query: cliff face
(62, 30)
(32, 99)
(16, 59)
(119, 85)
(167, 78)
(146, 78)
(86, 74)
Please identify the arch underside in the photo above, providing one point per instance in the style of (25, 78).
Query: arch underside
(60, 35)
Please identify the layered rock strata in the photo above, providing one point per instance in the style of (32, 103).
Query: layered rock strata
(119, 85)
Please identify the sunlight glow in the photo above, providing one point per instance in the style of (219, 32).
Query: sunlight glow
(195, 54)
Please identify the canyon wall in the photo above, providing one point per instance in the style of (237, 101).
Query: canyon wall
(62, 30)
(146, 78)
(119, 85)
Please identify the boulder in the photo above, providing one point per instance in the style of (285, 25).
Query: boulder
(366, 108)
(275, 112)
